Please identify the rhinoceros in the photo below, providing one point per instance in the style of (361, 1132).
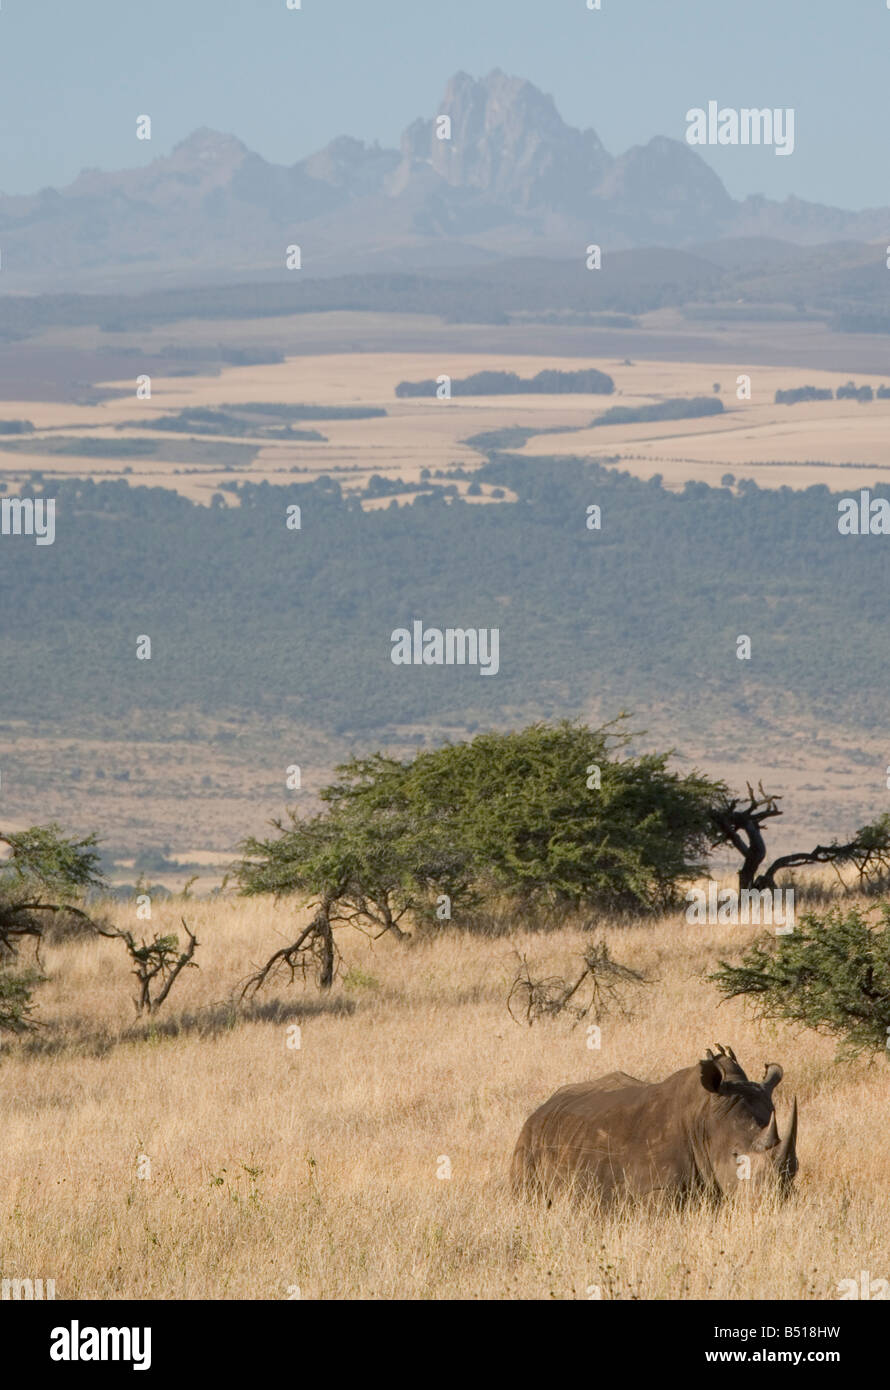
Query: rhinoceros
(706, 1129)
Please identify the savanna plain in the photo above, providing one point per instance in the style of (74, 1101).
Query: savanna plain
(203, 1154)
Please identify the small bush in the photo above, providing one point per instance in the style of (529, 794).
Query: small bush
(831, 974)
(16, 987)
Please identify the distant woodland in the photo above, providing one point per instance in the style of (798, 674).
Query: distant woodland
(587, 381)
(247, 614)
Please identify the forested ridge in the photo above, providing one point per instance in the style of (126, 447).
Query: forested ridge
(244, 613)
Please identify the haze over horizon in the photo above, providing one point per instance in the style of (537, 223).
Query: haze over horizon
(286, 82)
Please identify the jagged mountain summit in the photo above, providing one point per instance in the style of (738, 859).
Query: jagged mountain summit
(507, 143)
(512, 178)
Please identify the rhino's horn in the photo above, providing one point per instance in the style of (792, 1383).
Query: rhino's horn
(786, 1158)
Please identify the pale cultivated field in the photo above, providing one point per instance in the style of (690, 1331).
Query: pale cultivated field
(273, 1168)
(778, 445)
(835, 443)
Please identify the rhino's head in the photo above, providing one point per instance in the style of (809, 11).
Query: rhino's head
(741, 1137)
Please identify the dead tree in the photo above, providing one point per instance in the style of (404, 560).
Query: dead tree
(738, 824)
(599, 981)
(157, 961)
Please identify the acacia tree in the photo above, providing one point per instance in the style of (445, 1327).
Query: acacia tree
(559, 814)
(368, 871)
(41, 879)
(738, 823)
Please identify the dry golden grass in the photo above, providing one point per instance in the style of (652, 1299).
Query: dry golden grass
(273, 1167)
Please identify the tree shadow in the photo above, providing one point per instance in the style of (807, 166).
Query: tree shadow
(80, 1035)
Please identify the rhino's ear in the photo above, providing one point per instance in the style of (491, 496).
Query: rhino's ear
(772, 1076)
(710, 1073)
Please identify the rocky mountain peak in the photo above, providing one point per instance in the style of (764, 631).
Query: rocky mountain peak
(206, 148)
(508, 140)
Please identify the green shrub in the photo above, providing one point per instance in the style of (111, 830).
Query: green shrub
(16, 988)
(831, 974)
(40, 881)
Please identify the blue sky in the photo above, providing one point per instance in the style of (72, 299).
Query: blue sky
(75, 74)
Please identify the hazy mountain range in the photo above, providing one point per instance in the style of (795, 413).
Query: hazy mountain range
(513, 180)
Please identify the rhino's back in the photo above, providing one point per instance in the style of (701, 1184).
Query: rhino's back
(596, 1134)
(612, 1081)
